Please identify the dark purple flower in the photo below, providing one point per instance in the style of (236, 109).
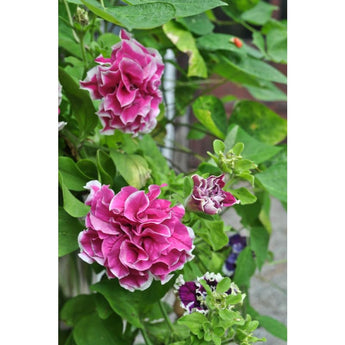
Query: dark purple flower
(237, 243)
(208, 195)
(192, 294)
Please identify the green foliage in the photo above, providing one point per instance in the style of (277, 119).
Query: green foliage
(247, 149)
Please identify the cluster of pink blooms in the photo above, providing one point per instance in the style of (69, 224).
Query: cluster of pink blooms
(208, 195)
(134, 235)
(127, 84)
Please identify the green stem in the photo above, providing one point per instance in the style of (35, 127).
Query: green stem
(166, 316)
(145, 336)
(82, 47)
(70, 20)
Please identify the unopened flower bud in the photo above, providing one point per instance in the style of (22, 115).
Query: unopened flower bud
(81, 16)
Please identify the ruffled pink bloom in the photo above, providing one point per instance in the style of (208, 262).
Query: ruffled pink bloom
(127, 83)
(134, 235)
(208, 195)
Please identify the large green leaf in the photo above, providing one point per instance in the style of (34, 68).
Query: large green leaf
(210, 111)
(259, 121)
(254, 67)
(244, 5)
(76, 308)
(185, 42)
(243, 195)
(274, 180)
(276, 40)
(73, 177)
(142, 16)
(83, 108)
(131, 305)
(91, 330)
(245, 267)
(213, 233)
(133, 168)
(71, 204)
(259, 239)
(267, 91)
(186, 8)
(69, 229)
(259, 14)
(149, 147)
(199, 24)
(218, 41)
(254, 150)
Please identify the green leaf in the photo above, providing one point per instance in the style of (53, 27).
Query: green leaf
(150, 148)
(209, 169)
(244, 5)
(187, 8)
(76, 308)
(210, 111)
(272, 325)
(274, 180)
(223, 285)
(198, 24)
(259, 239)
(73, 177)
(276, 40)
(69, 229)
(82, 106)
(245, 267)
(218, 41)
(187, 186)
(259, 121)
(218, 146)
(213, 233)
(130, 305)
(106, 168)
(259, 41)
(194, 322)
(253, 67)
(88, 168)
(243, 195)
(254, 150)
(91, 330)
(142, 16)
(71, 204)
(267, 92)
(184, 41)
(259, 14)
(133, 168)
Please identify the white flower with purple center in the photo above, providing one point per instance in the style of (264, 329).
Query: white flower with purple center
(208, 195)
(192, 294)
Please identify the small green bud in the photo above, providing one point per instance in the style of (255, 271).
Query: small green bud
(81, 16)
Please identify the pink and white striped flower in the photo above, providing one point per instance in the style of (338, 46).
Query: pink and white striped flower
(134, 235)
(127, 84)
(208, 195)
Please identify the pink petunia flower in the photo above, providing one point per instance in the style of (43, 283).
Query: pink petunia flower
(134, 235)
(127, 85)
(208, 195)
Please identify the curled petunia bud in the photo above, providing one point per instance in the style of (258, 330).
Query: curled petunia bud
(134, 235)
(208, 195)
(127, 84)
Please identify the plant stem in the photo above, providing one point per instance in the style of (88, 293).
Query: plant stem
(145, 336)
(82, 47)
(166, 316)
(70, 20)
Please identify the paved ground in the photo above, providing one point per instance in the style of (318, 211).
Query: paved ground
(268, 292)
